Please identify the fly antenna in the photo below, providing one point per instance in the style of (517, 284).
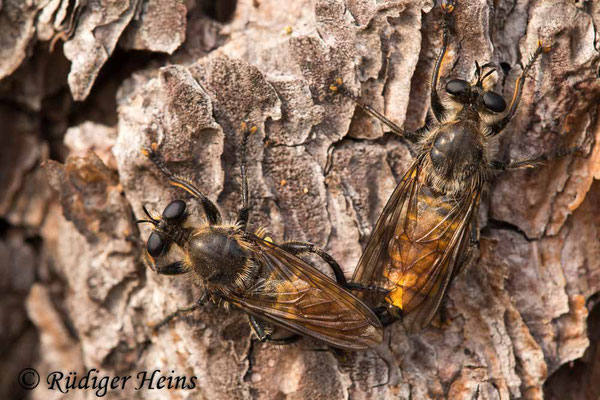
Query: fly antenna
(150, 220)
(488, 74)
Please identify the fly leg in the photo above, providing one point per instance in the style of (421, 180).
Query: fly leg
(175, 268)
(242, 218)
(439, 111)
(210, 209)
(437, 107)
(258, 327)
(538, 160)
(297, 248)
(499, 125)
(179, 312)
(412, 137)
(175, 314)
(387, 313)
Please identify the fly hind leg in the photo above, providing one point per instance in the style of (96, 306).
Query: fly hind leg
(260, 330)
(387, 313)
(296, 248)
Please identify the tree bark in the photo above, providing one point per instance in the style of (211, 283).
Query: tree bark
(519, 321)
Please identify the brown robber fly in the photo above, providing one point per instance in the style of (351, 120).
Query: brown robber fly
(247, 270)
(428, 230)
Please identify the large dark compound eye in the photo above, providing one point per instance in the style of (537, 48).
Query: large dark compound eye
(494, 102)
(155, 245)
(174, 210)
(457, 87)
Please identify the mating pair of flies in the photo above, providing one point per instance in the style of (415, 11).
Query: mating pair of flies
(425, 235)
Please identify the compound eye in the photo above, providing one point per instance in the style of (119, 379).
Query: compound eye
(494, 102)
(456, 87)
(174, 210)
(155, 245)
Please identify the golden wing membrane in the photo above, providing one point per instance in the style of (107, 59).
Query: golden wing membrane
(292, 294)
(375, 257)
(416, 247)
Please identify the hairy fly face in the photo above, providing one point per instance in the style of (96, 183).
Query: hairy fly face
(475, 95)
(167, 229)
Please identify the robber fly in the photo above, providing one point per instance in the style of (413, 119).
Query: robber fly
(247, 270)
(428, 230)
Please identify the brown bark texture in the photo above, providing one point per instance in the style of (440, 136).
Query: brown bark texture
(84, 84)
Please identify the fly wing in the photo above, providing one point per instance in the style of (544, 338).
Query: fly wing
(376, 256)
(292, 294)
(416, 247)
(429, 255)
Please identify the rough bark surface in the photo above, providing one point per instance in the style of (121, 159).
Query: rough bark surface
(523, 322)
